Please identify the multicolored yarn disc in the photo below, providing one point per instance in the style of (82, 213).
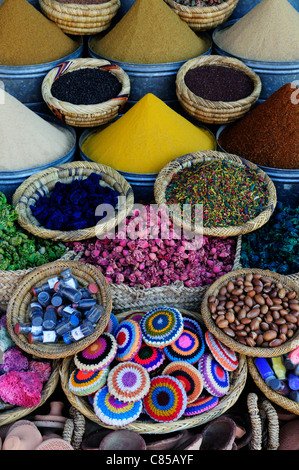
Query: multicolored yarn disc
(84, 382)
(200, 405)
(192, 324)
(149, 357)
(189, 346)
(128, 382)
(136, 316)
(112, 324)
(113, 412)
(215, 378)
(161, 326)
(97, 355)
(128, 337)
(166, 400)
(189, 377)
(226, 357)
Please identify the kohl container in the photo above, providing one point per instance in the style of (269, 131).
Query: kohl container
(187, 161)
(86, 115)
(17, 309)
(215, 112)
(158, 79)
(80, 19)
(204, 18)
(273, 74)
(43, 183)
(24, 81)
(286, 181)
(237, 384)
(251, 351)
(11, 180)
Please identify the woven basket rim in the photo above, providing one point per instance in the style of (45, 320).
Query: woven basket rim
(34, 183)
(221, 7)
(255, 351)
(166, 173)
(81, 9)
(273, 396)
(144, 427)
(22, 295)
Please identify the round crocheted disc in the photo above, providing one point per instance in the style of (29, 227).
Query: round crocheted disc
(226, 357)
(189, 377)
(188, 347)
(200, 405)
(161, 326)
(128, 337)
(111, 411)
(85, 382)
(136, 316)
(149, 357)
(112, 324)
(192, 324)
(128, 382)
(215, 378)
(166, 400)
(97, 355)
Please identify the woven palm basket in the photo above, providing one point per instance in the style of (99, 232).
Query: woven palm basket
(17, 309)
(216, 112)
(204, 18)
(86, 115)
(252, 351)
(80, 19)
(16, 413)
(238, 380)
(187, 161)
(43, 183)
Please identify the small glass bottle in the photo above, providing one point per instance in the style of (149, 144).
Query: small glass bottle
(64, 326)
(83, 330)
(47, 287)
(45, 337)
(294, 395)
(71, 294)
(50, 318)
(88, 291)
(264, 369)
(293, 381)
(44, 298)
(95, 313)
(56, 300)
(67, 311)
(279, 367)
(84, 304)
(22, 329)
(279, 386)
(68, 279)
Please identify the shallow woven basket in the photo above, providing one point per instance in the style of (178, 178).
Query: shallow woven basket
(16, 413)
(80, 19)
(238, 381)
(215, 112)
(22, 297)
(9, 280)
(187, 161)
(86, 115)
(254, 351)
(43, 183)
(204, 18)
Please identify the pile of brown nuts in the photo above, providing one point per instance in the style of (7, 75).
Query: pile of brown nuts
(256, 311)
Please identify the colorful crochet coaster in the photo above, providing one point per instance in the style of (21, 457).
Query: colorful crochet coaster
(188, 347)
(161, 326)
(112, 324)
(128, 382)
(226, 357)
(149, 357)
(97, 355)
(136, 316)
(128, 337)
(192, 324)
(114, 412)
(200, 405)
(189, 377)
(84, 382)
(166, 400)
(215, 378)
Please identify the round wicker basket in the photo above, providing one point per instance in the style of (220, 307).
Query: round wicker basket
(238, 380)
(255, 351)
(80, 19)
(86, 115)
(22, 297)
(186, 161)
(284, 402)
(16, 413)
(204, 18)
(42, 183)
(216, 112)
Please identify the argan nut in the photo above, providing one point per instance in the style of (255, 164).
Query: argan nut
(270, 335)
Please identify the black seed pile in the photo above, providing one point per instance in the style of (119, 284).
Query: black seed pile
(219, 83)
(86, 86)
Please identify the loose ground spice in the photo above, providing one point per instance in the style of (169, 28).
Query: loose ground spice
(27, 37)
(230, 195)
(268, 32)
(218, 83)
(268, 135)
(151, 32)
